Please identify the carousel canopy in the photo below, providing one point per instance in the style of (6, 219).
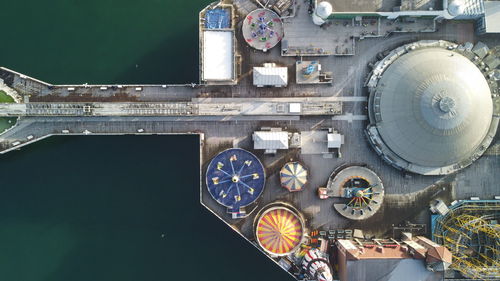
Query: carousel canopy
(262, 29)
(293, 176)
(235, 178)
(279, 231)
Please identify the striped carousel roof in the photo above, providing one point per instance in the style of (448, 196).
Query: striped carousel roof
(279, 231)
(293, 176)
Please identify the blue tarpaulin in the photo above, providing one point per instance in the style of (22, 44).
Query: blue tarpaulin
(217, 19)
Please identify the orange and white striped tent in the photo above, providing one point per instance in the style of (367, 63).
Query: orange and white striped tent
(279, 231)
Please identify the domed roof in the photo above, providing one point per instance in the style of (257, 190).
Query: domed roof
(324, 9)
(435, 107)
(456, 7)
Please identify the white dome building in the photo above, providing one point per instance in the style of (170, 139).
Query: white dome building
(322, 12)
(431, 111)
(457, 7)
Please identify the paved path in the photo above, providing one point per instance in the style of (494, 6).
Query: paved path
(349, 117)
(199, 107)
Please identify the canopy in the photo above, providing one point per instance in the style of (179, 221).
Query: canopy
(262, 29)
(279, 231)
(235, 178)
(218, 59)
(293, 176)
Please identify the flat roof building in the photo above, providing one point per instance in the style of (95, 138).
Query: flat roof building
(492, 16)
(370, 6)
(335, 140)
(390, 260)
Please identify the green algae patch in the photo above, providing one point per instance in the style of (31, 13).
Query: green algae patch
(4, 98)
(7, 123)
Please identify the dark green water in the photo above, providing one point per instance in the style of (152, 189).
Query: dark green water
(110, 208)
(106, 41)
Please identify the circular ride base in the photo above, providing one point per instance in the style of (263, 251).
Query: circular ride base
(279, 231)
(262, 29)
(361, 189)
(235, 178)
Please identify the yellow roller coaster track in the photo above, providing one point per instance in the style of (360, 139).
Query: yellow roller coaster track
(465, 224)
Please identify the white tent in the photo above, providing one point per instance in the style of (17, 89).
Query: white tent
(270, 140)
(218, 56)
(270, 76)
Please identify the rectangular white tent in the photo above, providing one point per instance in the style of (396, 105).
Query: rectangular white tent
(270, 140)
(270, 76)
(217, 57)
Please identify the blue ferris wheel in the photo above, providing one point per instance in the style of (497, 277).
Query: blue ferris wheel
(235, 178)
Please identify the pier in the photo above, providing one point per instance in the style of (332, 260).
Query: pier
(226, 112)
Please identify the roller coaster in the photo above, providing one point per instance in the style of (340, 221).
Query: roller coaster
(470, 230)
